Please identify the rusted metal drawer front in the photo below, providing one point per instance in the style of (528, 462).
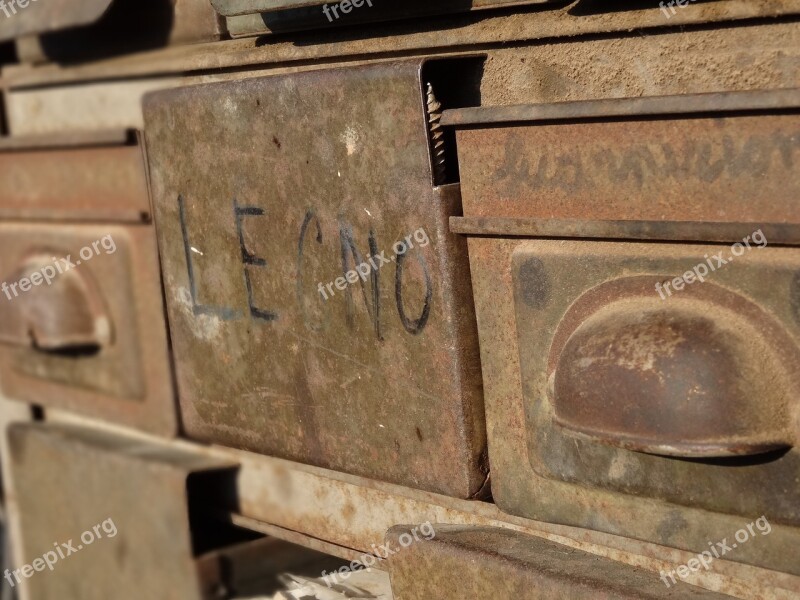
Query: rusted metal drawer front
(612, 409)
(111, 514)
(267, 190)
(618, 369)
(83, 326)
(80, 178)
(642, 159)
(455, 562)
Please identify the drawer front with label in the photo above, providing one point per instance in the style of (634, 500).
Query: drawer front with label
(320, 309)
(83, 325)
(638, 302)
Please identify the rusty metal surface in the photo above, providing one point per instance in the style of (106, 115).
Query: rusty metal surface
(70, 479)
(540, 472)
(711, 372)
(195, 21)
(294, 537)
(675, 380)
(485, 30)
(720, 102)
(321, 508)
(94, 340)
(254, 215)
(91, 182)
(354, 512)
(664, 231)
(255, 570)
(43, 16)
(576, 18)
(742, 167)
(68, 314)
(484, 562)
(106, 137)
(10, 412)
(569, 415)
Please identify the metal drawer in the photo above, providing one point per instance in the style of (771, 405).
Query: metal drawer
(87, 501)
(72, 177)
(83, 324)
(248, 17)
(634, 384)
(268, 194)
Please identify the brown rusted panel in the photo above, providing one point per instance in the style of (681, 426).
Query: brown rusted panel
(105, 137)
(87, 183)
(482, 562)
(345, 515)
(92, 338)
(531, 299)
(71, 480)
(719, 102)
(783, 234)
(255, 216)
(41, 16)
(676, 168)
(195, 21)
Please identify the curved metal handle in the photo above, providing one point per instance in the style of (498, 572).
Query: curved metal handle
(64, 313)
(690, 378)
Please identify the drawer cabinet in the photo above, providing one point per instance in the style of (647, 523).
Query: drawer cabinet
(82, 326)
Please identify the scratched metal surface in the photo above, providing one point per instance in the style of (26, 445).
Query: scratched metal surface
(485, 562)
(297, 176)
(70, 480)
